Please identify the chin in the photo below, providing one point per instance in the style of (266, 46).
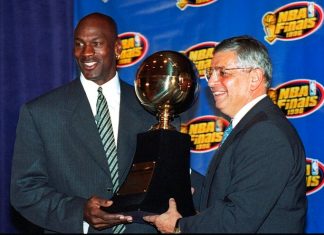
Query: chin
(90, 76)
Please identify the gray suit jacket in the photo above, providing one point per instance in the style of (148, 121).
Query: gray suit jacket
(59, 160)
(256, 180)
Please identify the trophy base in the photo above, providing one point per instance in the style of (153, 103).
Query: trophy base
(160, 171)
(129, 205)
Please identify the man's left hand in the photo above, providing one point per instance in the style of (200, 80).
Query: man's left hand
(165, 222)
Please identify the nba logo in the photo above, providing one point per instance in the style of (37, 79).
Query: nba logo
(311, 9)
(314, 167)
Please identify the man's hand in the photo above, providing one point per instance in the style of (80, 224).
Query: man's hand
(98, 218)
(165, 222)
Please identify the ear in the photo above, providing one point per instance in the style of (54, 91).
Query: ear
(256, 78)
(118, 48)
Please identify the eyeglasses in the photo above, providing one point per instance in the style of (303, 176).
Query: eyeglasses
(221, 72)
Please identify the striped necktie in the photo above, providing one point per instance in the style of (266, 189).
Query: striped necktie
(107, 136)
(227, 132)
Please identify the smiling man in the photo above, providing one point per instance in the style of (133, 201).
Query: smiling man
(68, 159)
(256, 180)
(96, 47)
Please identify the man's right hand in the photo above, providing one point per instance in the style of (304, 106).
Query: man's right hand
(98, 218)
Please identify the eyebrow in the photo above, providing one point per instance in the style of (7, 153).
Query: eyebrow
(92, 39)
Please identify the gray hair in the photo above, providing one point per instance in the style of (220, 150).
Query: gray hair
(250, 53)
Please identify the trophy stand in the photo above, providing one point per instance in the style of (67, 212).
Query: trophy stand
(164, 116)
(160, 171)
(166, 84)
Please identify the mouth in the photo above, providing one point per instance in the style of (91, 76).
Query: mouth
(218, 93)
(89, 65)
(219, 97)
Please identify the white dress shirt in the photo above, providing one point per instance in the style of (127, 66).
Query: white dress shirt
(111, 91)
(245, 109)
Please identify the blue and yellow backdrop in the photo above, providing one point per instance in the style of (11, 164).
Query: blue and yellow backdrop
(36, 56)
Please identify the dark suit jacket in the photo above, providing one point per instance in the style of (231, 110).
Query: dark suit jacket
(256, 181)
(59, 160)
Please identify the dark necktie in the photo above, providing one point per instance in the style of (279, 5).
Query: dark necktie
(107, 136)
(227, 132)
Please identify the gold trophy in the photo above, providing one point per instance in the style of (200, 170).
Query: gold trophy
(166, 85)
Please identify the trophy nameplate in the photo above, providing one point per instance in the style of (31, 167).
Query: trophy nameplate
(138, 179)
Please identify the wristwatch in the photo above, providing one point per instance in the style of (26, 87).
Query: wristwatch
(177, 227)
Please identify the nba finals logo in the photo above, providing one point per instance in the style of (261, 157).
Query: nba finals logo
(206, 132)
(183, 4)
(134, 48)
(298, 98)
(201, 55)
(292, 21)
(314, 175)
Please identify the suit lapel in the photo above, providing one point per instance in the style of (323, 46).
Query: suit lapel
(128, 124)
(84, 128)
(255, 115)
(83, 124)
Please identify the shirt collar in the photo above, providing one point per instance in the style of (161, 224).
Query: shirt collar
(112, 85)
(110, 89)
(246, 109)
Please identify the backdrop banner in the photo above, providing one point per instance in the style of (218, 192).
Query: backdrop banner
(36, 43)
(291, 30)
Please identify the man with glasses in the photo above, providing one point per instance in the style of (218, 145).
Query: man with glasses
(256, 180)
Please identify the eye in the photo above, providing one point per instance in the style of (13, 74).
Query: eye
(78, 44)
(209, 72)
(222, 72)
(97, 44)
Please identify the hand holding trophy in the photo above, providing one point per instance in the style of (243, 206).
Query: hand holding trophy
(166, 85)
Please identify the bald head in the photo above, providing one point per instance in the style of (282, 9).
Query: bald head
(99, 20)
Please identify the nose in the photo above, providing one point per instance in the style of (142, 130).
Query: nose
(214, 78)
(88, 50)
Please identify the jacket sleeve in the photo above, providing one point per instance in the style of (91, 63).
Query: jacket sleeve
(265, 180)
(30, 192)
